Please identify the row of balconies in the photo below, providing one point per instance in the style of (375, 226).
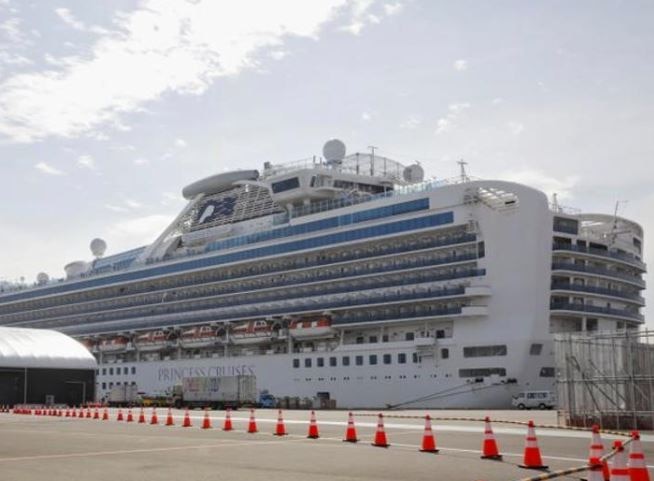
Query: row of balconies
(602, 291)
(629, 259)
(577, 307)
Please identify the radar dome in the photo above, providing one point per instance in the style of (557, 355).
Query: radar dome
(333, 150)
(98, 247)
(75, 269)
(413, 173)
(42, 278)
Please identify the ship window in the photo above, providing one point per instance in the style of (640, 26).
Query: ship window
(372, 339)
(296, 363)
(104, 385)
(547, 372)
(358, 360)
(484, 351)
(409, 336)
(307, 362)
(111, 385)
(445, 353)
(440, 333)
(482, 372)
(284, 185)
(481, 250)
(346, 360)
(567, 226)
(133, 370)
(320, 362)
(387, 358)
(414, 358)
(111, 371)
(360, 340)
(104, 371)
(332, 361)
(372, 359)
(535, 349)
(401, 358)
(385, 338)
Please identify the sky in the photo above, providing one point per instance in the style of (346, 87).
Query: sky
(108, 109)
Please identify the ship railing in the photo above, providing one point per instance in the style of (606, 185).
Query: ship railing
(570, 266)
(569, 286)
(579, 307)
(599, 252)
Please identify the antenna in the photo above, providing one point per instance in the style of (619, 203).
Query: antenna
(555, 202)
(372, 159)
(462, 164)
(614, 228)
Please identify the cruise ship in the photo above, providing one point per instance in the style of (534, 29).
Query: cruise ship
(349, 278)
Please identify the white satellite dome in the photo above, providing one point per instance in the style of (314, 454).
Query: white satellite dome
(98, 247)
(414, 173)
(75, 269)
(42, 278)
(333, 150)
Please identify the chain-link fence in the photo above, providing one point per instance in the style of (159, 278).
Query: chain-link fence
(606, 378)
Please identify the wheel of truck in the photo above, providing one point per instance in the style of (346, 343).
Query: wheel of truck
(542, 407)
(521, 406)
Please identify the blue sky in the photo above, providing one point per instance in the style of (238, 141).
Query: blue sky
(107, 109)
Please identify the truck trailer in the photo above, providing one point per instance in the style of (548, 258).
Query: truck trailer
(216, 392)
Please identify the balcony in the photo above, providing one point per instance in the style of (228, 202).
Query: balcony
(626, 258)
(570, 266)
(588, 309)
(604, 291)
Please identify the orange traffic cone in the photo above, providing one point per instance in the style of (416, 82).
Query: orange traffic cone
(351, 431)
(252, 425)
(169, 418)
(142, 417)
(227, 426)
(120, 415)
(67, 413)
(88, 413)
(206, 422)
(96, 414)
(428, 441)
(380, 435)
(187, 420)
(489, 449)
(130, 416)
(154, 419)
(597, 451)
(637, 467)
(105, 415)
(532, 459)
(280, 429)
(619, 471)
(73, 414)
(595, 469)
(313, 427)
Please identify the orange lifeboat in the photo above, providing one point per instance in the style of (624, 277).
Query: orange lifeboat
(252, 332)
(311, 328)
(113, 344)
(90, 344)
(152, 341)
(199, 336)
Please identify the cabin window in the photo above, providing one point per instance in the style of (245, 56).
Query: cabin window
(104, 371)
(482, 372)
(414, 358)
(346, 360)
(372, 339)
(133, 370)
(284, 185)
(401, 358)
(440, 333)
(567, 226)
(409, 336)
(387, 358)
(111, 371)
(358, 360)
(104, 385)
(547, 372)
(445, 353)
(296, 363)
(360, 340)
(332, 362)
(372, 359)
(307, 362)
(535, 349)
(320, 362)
(484, 351)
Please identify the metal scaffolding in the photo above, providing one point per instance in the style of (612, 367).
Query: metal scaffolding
(606, 378)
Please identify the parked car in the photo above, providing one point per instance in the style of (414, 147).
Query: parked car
(534, 399)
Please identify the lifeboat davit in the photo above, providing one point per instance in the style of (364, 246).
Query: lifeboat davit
(252, 332)
(311, 328)
(199, 336)
(152, 341)
(113, 344)
(90, 344)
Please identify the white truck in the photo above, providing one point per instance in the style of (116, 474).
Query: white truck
(216, 392)
(125, 395)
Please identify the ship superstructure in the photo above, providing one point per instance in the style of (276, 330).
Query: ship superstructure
(353, 278)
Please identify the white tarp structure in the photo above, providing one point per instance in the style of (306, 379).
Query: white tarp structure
(42, 349)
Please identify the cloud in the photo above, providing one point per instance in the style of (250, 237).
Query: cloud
(497, 101)
(444, 124)
(116, 208)
(393, 8)
(180, 143)
(140, 161)
(48, 169)
(411, 122)
(167, 47)
(86, 161)
(365, 116)
(132, 203)
(278, 54)
(562, 186)
(69, 19)
(460, 65)
(139, 231)
(515, 128)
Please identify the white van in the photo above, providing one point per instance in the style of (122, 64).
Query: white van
(534, 399)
